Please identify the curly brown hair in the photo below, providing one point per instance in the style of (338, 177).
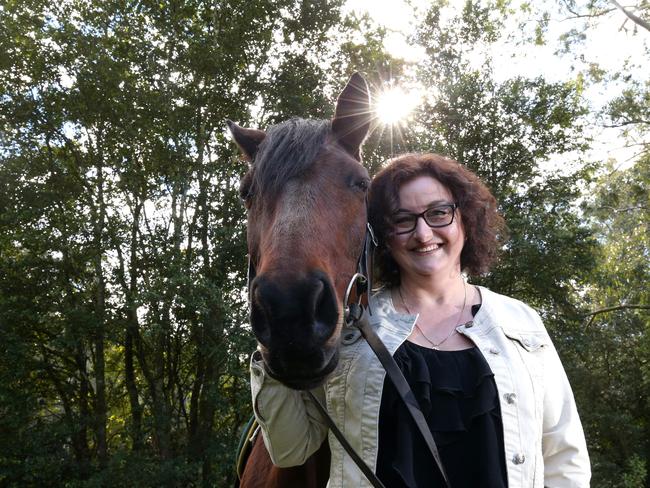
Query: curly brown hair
(485, 229)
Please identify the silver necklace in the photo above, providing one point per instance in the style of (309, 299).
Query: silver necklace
(453, 331)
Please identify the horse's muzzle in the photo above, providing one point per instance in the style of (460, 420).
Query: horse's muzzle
(296, 323)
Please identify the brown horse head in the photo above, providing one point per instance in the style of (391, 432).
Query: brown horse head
(305, 193)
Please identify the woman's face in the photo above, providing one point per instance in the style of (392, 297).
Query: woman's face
(426, 251)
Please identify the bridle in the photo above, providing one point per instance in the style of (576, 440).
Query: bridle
(356, 315)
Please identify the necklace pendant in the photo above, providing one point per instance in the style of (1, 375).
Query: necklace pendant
(436, 346)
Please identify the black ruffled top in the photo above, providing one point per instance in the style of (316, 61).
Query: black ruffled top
(459, 399)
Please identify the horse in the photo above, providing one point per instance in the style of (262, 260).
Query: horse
(305, 194)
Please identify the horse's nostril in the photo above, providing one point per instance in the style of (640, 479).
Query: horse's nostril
(325, 310)
(317, 295)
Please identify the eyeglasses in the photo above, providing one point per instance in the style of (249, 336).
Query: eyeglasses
(438, 216)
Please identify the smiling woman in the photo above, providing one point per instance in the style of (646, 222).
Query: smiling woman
(394, 105)
(468, 353)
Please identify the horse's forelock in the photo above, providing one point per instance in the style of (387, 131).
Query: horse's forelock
(287, 152)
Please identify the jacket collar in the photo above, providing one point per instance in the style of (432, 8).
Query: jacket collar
(383, 313)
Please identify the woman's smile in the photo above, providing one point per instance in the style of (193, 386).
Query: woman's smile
(427, 249)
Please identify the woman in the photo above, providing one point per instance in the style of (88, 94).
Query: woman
(481, 365)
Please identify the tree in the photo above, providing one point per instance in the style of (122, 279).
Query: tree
(122, 238)
(611, 355)
(122, 248)
(608, 347)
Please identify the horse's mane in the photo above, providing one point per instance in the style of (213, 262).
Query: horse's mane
(287, 151)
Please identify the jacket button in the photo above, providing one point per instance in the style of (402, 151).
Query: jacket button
(519, 459)
(257, 372)
(509, 398)
(349, 336)
(494, 351)
(469, 324)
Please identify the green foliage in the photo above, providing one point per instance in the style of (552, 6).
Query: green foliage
(636, 474)
(122, 238)
(612, 346)
(631, 110)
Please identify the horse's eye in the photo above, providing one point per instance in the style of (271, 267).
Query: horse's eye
(246, 195)
(246, 188)
(362, 184)
(248, 200)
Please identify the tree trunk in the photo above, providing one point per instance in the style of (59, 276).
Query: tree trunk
(131, 333)
(131, 386)
(210, 340)
(99, 335)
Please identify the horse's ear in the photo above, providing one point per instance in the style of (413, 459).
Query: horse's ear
(248, 140)
(352, 116)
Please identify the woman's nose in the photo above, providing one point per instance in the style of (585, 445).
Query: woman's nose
(422, 229)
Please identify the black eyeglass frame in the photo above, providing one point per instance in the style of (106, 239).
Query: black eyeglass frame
(422, 215)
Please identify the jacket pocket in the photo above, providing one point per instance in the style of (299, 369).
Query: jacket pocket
(531, 348)
(530, 341)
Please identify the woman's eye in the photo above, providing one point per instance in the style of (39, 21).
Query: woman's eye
(403, 220)
(438, 212)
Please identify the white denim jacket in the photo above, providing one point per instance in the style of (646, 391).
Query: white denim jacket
(543, 437)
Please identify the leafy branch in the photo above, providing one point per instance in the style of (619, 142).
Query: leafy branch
(634, 18)
(612, 309)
